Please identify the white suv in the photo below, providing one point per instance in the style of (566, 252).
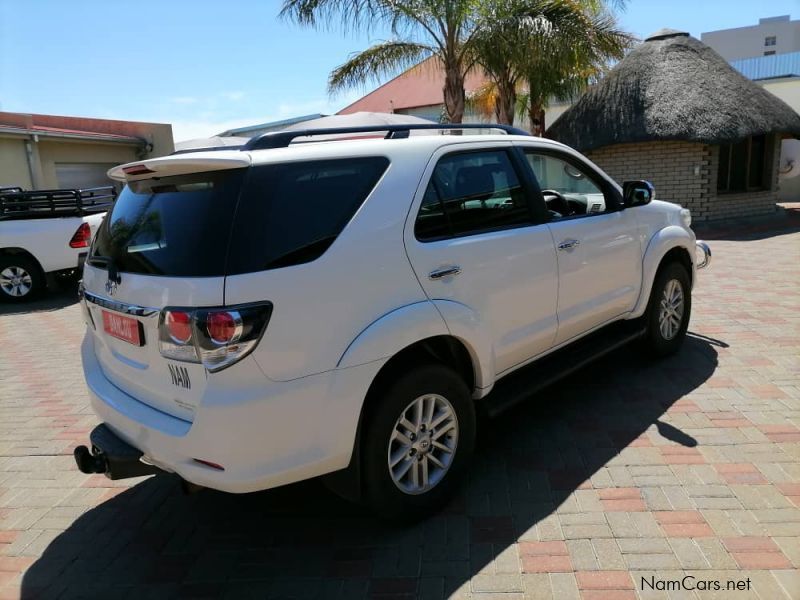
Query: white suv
(263, 315)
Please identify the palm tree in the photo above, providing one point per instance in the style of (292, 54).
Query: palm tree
(535, 50)
(544, 42)
(562, 64)
(442, 29)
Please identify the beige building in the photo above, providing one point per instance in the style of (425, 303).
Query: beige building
(772, 36)
(418, 92)
(47, 151)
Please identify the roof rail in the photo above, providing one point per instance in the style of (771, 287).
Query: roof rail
(209, 149)
(282, 139)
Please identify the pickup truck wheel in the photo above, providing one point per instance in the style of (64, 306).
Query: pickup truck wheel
(418, 439)
(669, 310)
(20, 278)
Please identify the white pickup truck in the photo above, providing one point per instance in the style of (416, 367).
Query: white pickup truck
(45, 233)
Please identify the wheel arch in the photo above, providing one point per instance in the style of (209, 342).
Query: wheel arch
(17, 251)
(443, 349)
(671, 244)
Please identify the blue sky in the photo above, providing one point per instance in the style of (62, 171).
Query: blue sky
(208, 66)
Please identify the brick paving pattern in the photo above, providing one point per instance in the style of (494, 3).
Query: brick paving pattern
(630, 472)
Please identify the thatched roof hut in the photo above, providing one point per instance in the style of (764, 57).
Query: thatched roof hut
(674, 111)
(673, 87)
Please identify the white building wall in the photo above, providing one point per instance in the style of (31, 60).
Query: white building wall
(747, 42)
(787, 90)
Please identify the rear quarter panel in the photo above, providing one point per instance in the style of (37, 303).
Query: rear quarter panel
(322, 306)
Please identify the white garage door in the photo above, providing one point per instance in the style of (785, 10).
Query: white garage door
(78, 176)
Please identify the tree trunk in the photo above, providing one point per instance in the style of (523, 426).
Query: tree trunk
(454, 97)
(506, 101)
(536, 118)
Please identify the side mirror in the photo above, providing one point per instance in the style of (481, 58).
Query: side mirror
(637, 193)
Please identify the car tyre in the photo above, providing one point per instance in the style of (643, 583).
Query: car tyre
(669, 310)
(21, 279)
(419, 436)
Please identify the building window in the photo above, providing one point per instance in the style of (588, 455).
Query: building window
(745, 166)
(769, 53)
(770, 40)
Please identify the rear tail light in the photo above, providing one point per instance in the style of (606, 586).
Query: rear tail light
(215, 337)
(223, 327)
(179, 326)
(82, 237)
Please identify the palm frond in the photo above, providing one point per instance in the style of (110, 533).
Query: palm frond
(349, 15)
(376, 62)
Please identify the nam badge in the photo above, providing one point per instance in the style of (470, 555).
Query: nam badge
(180, 376)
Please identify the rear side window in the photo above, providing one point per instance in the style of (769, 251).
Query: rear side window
(177, 226)
(291, 213)
(471, 193)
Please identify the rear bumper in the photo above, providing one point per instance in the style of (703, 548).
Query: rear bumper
(263, 433)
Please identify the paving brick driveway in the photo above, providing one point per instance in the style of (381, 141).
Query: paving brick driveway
(629, 471)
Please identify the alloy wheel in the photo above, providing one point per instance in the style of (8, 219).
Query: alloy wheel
(423, 444)
(670, 316)
(15, 281)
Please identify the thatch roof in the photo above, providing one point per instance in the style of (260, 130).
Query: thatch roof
(672, 87)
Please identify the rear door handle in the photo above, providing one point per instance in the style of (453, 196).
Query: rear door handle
(567, 244)
(444, 272)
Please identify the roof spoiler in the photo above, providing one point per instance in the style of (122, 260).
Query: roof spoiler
(199, 160)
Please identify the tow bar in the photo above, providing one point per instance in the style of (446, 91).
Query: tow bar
(113, 457)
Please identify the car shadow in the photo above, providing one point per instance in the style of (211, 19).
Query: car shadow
(63, 294)
(788, 222)
(302, 541)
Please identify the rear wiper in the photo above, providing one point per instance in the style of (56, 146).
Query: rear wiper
(108, 263)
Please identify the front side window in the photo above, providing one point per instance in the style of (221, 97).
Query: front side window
(743, 165)
(568, 191)
(470, 193)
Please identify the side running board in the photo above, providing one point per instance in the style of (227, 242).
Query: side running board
(525, 382)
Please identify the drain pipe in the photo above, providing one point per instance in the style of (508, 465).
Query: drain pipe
(34, 164)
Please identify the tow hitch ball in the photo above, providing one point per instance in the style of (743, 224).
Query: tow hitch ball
(89, 463)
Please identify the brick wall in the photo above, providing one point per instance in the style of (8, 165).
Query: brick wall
(684, 173)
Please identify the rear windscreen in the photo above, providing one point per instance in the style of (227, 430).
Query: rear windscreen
(234, 221)
(175, 225)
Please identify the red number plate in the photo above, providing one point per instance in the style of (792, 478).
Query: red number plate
(122, 328)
